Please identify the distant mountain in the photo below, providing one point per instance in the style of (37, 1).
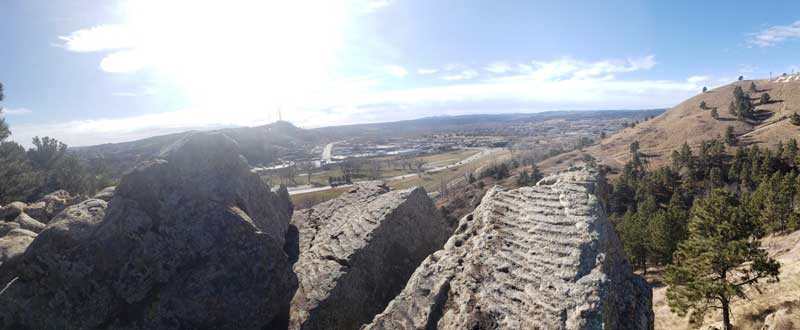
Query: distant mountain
(439, 124)
(687, 122)
(262, 144)
(265, 144)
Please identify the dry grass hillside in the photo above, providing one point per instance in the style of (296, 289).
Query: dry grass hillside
(687, 122)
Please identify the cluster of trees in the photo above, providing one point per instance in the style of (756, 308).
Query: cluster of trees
(701, 217)
(741, 106)
(27, 175)
(529, 179)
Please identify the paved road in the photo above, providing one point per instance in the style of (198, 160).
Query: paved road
(483, 153)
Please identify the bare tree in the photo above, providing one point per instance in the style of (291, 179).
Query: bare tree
(418, 166)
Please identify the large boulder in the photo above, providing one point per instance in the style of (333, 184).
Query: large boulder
(190, 241)
(12, 245)
(12, 210)
(105, 194)
(53, 203)
(357, 252)
(28, 223)
(6, 227)
(543, 257)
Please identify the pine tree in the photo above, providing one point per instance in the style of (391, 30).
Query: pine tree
(765, 98)
(668, 229)
(714, 114)
(17, 178)
(732, 109)
(536, 174)
(705, 89)
(523, 179)
(753, 88)
(795, 119)
(791, 150)
(635, 239)
(719, 259)
(741, 78)
(703, 105)
(730, 136)
(4, 131)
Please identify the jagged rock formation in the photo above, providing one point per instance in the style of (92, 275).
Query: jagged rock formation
(357, 252)
(542, 257)
(191, 241)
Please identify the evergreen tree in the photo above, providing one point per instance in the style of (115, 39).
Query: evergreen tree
(741, 78)
(753, 88)
(536, 174)
(732, 109)
(523, 179)
(795, 119)
(635, 239)
(4, 131)
(765, 98)
(703, 105)
(791, 150)
(714, 114)
(667, 229)
(705, 89)
(720, 257)
(17, 178)
(730, 136)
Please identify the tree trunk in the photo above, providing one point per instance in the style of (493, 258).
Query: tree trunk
(726, 315)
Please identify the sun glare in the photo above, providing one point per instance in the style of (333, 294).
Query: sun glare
(244, 54)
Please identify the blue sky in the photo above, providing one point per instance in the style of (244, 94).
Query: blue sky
(89, 72)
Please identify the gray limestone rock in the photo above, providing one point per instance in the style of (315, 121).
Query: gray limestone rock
(543, 257)
(357, 252)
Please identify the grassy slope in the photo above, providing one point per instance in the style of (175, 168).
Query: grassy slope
(686, 122)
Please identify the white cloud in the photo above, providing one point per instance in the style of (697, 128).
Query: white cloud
(99, 38)
(774, 35)
(15, 111)
(555, 85)
(395, 70)
(698, 79)
(424, 71)
(378, 4)
(462, 75)
(498, 67)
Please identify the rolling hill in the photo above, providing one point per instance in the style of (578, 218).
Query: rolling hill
(687, 122)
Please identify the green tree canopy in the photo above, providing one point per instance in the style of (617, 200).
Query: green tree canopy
(719, 259)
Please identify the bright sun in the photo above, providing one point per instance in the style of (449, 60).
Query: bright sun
(245, 54)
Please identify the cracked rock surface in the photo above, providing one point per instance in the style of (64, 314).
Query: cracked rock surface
(543, 257)
(190, 241)
(357, 252)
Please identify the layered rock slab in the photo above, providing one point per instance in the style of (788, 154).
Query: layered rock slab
(357, 252)
(190, 241)
(543, 257)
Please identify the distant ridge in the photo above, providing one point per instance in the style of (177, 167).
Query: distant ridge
(687, 122)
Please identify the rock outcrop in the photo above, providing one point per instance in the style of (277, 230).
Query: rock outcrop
(357, 252)
(542, 257)
(12, 244)
(190, 241)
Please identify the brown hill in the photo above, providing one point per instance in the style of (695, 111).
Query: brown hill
(687, 122)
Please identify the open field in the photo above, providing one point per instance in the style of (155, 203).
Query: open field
(390, 168)
(432, 182)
